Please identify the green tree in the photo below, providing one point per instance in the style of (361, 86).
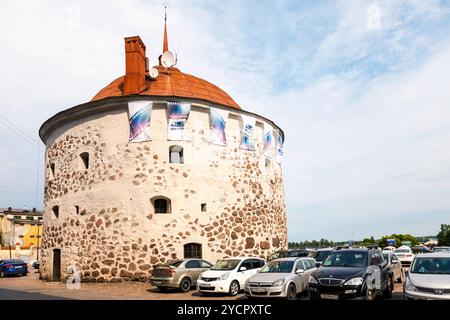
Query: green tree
(443, 236)
(398, 240)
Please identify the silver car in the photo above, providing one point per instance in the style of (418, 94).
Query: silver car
(182, 274)
(428, 277)
(282, 278)
(395, 266)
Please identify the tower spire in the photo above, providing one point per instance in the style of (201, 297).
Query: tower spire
(166, 42)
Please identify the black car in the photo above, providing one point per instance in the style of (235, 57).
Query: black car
(36, 264)
(352, 274)
(290, 253)
(320, 255)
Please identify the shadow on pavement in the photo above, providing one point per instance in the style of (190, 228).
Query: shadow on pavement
(8, 294)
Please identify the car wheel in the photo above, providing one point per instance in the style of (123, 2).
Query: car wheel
(185, 285)
(387, 293)
(163, 289)
(234, 288)
(291, 292)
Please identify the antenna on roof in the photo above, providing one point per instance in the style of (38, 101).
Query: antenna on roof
(168, 59)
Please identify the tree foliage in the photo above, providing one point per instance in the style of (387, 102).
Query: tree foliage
(443, 236)
(398, 240)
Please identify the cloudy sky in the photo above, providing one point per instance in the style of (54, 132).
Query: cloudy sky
(361, 89)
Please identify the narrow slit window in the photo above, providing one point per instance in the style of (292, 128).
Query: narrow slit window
(77, 210)
(203, 207)
(52, 170)
(55, 210)
(84, 160)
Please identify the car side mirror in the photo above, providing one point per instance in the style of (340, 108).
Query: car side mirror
(298, 271)
(242, 268)
(318, 264)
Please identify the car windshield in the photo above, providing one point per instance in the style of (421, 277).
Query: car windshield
(321, 255)
(431, 266)
(346, 259)
(279, 266)
(402, 251)
(228, 264)
(13, 261)
(279, 254)
(174, 264)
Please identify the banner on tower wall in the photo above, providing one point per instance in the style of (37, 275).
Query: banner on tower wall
(279, 151)
(139, 115)
(268, 140)
(218, 124)
(178, 115)
(248, 127)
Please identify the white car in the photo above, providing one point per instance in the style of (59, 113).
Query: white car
(429, 277)
(229, 275)
(405, 255)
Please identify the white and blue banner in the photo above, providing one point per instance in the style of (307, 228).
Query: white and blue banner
(248, 128)
(279, 150)
(178, 115)
(268, 141)
(139, 115)
(218, 125)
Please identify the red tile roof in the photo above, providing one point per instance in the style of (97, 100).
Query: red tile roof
(173, 83)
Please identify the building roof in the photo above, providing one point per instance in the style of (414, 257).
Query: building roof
(172, 82)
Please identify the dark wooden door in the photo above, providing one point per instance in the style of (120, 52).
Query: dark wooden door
(56, 264)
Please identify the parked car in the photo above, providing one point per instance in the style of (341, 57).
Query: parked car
(389, 248)
(349, 274)
(281, 278)
(36, 264)
(320, 255)
(290, 253)
(405, 255)
(182, 274)
(428, 277)
(442, 249)
(229, 275)
(395, 266)
(11, 267)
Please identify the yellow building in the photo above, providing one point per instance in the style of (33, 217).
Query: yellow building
(21, 227)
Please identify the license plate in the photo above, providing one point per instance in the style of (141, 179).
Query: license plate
(329, 296)
(157, 282)
(258, 290)
(18, 267)
(206, 285)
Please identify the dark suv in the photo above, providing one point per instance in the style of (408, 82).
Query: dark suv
(352, 274)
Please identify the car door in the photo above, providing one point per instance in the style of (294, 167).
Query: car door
(299, 278)
(194, 269)
(396, 266)
(243, 275)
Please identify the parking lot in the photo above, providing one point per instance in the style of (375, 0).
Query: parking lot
(30, 287)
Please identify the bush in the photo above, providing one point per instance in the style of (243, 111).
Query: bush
(443, 236)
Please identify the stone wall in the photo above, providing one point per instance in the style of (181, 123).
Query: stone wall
(107, 227)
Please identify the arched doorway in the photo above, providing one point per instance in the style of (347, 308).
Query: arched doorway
(56, 264)
(193, 250)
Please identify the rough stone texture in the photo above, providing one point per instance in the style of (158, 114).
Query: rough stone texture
(115, 234)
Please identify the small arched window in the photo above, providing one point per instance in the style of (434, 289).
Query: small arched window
(52, 170)
(161, 204)
(84, 157)
(193, 250)
(55, 211)
(176, 154)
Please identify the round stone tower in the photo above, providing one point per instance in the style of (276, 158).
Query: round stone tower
(115, 207)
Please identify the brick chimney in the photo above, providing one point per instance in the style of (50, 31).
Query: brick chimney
(135, 66)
